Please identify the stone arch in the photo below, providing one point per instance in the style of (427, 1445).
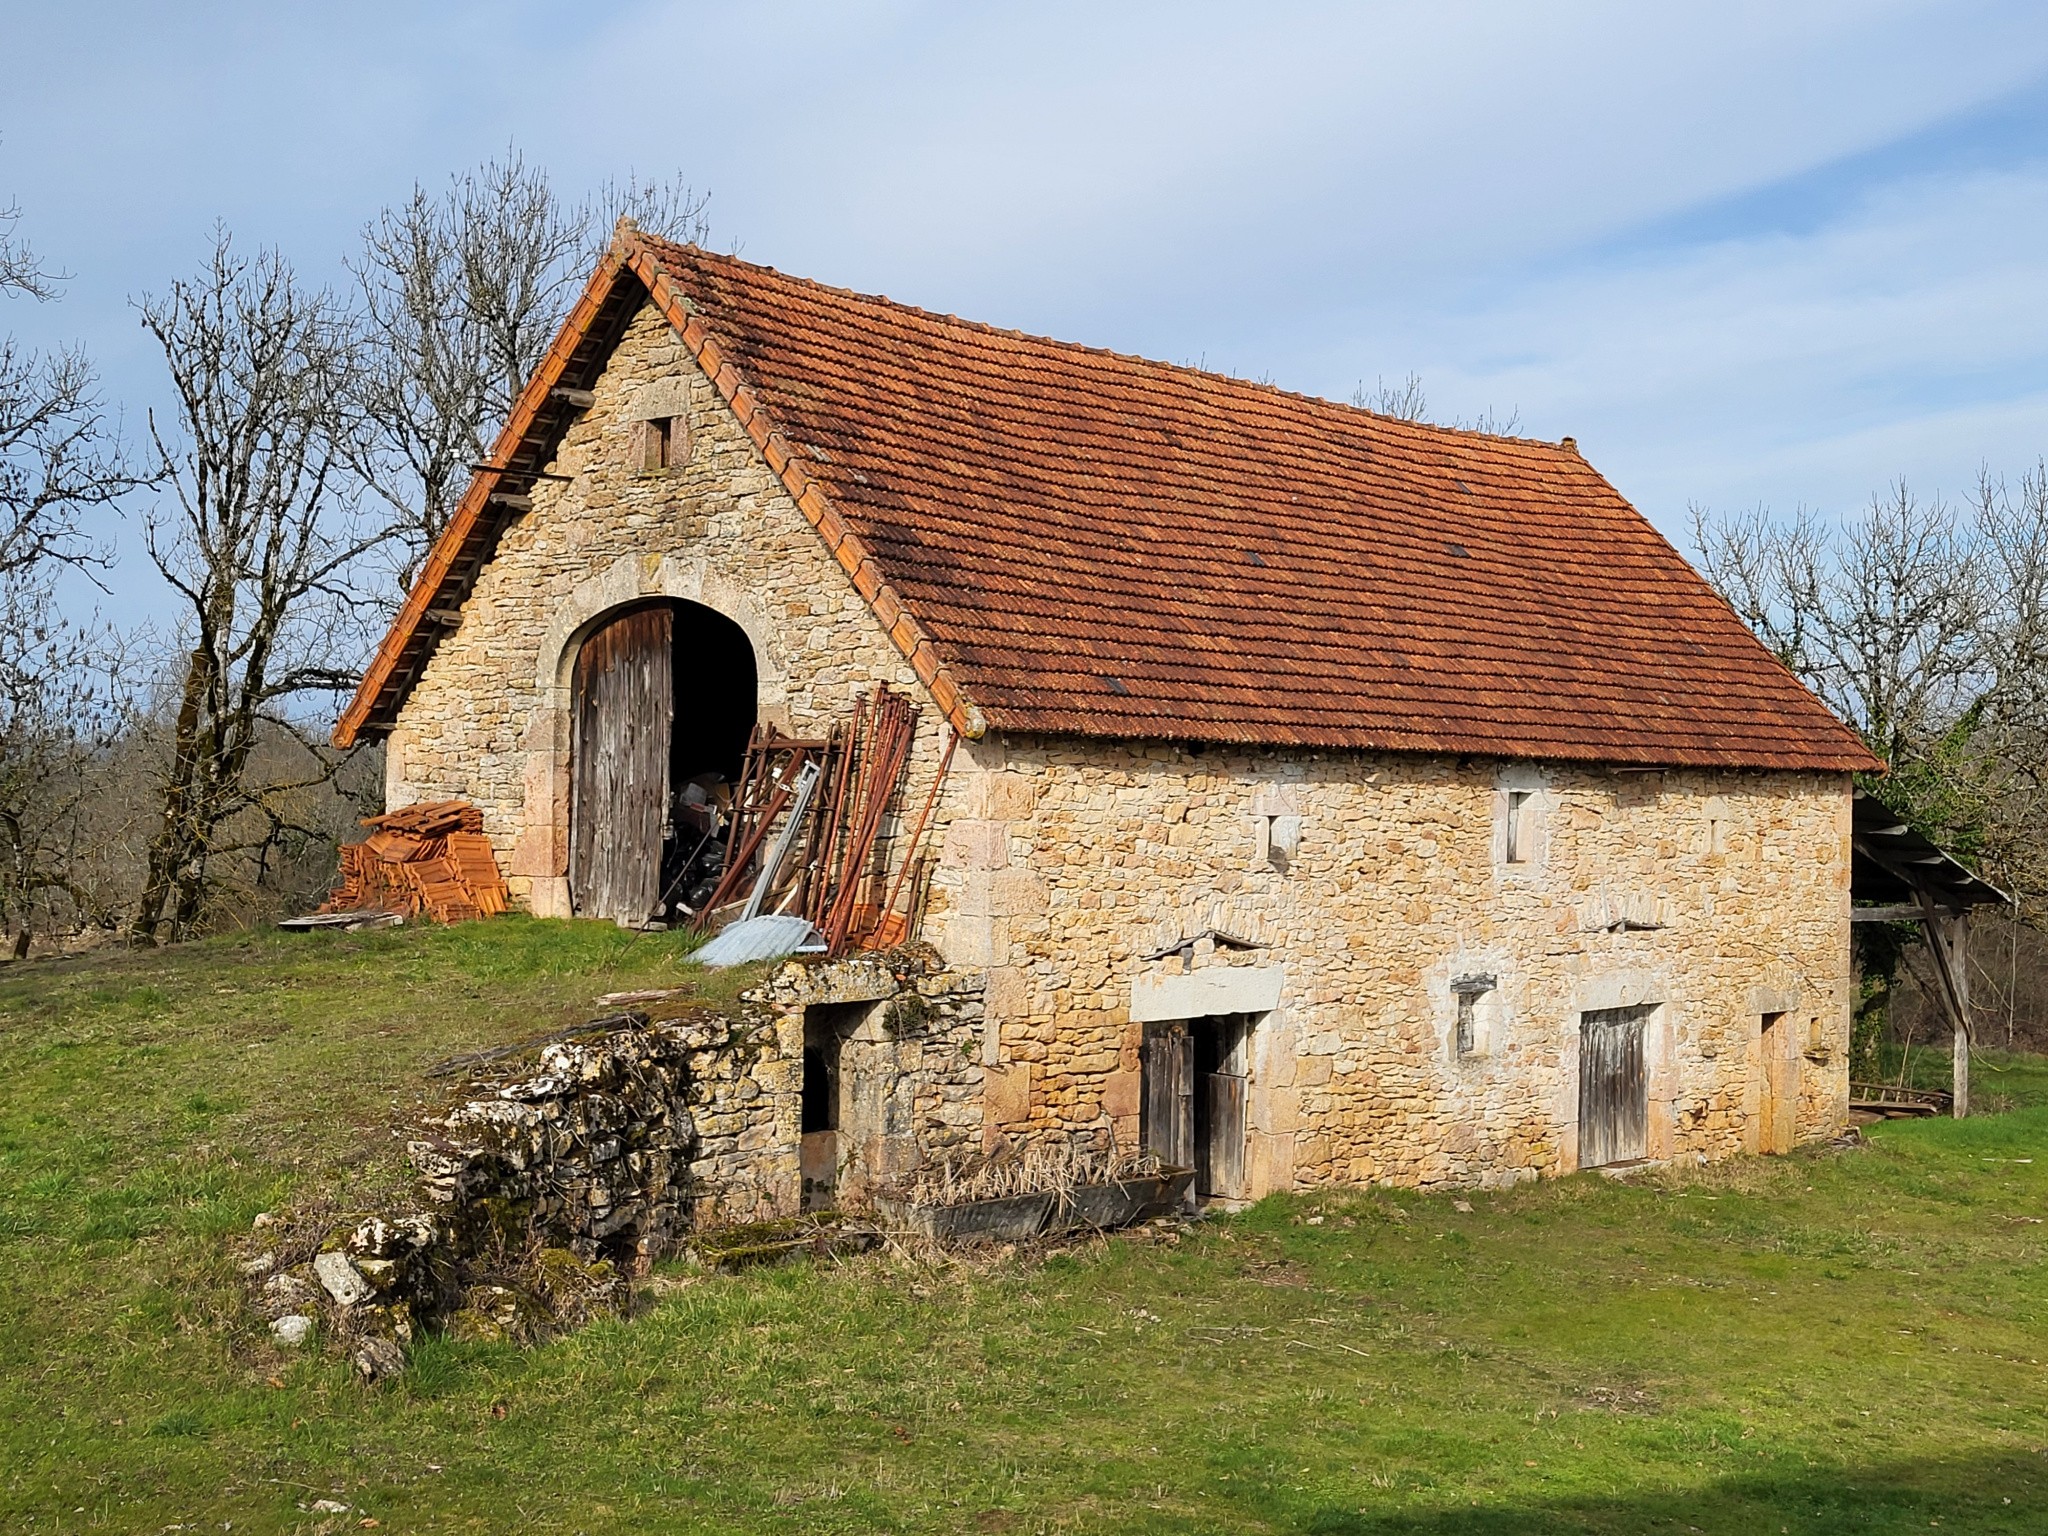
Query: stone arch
(542, 852)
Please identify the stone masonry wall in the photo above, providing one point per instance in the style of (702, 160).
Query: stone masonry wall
(620, 1143)
(489, 719)
(1715, 897)
(1718, 897)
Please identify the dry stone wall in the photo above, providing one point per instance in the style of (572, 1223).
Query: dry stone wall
(564, 1169)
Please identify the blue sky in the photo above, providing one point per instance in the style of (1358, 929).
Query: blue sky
(1777, 253)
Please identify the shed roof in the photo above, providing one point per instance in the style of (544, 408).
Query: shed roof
(1068, 540)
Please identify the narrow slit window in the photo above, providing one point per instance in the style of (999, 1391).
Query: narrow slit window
(1519, 831)
(1470, 1037)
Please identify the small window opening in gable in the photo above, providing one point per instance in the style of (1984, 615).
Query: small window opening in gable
(1520, 829)
(655, 450)
(1474, 1014)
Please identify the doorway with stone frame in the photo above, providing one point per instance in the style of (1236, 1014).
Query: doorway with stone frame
(1778, 1084)
(1195, 1099)
(662, 705)
(1614, 1104)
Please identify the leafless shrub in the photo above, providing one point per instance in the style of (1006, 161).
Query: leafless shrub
(1406, 401)
(1054, 1167)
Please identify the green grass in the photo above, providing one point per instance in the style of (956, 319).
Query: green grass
(2000, 1081)
(1831, 1342)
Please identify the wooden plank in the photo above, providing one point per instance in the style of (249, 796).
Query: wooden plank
(624, 704)
(1778, 1106)
(1167, 1123)
(1892, 914)
(1220, 1159)
(1613, 1088)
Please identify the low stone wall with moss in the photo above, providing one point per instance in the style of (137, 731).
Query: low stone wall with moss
(566, 1167)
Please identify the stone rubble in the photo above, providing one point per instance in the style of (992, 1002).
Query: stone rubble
(570, 1170)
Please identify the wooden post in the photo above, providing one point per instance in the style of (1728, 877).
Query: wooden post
(1948, 939)
(1957, 938)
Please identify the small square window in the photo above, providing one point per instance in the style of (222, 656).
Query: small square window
(655, 445)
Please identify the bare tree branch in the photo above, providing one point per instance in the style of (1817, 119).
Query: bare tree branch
(462, 295)
(261, 533)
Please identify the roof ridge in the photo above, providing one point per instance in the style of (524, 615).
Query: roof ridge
(1566, 447)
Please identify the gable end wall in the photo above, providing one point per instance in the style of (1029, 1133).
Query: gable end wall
(489, 719)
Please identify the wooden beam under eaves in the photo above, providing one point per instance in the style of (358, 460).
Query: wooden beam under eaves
(577, 399)
(1907, 913)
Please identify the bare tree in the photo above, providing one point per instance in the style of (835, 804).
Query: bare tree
(58, 456)
(1407, 401)
(20, 270)
(1924, 625)
(60, 713)
(462, 295)
(59, 460)
(1887, 617)
(263, 538)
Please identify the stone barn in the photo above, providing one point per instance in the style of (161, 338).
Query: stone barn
(1320, 797)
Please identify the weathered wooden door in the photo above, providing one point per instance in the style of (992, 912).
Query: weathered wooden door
(625, 712)
(1167, 1114)
(1778, 1103)
(1614, 1109)
(1222, 1058)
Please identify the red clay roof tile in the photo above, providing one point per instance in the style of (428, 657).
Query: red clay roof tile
(1096, 544)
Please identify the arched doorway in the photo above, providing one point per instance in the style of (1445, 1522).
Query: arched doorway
(663, 703)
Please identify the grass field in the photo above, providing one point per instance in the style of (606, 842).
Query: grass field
(1838, 1341)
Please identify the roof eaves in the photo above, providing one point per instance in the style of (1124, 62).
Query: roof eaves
(787, 462)
(441, 559)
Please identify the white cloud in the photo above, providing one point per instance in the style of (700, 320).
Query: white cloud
(1315, 192)
(1905, 338)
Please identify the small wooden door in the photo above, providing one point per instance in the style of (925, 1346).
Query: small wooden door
(1222, 1062)
(1778, 1103)
(619, 757)
(1167, 1114)
(1614, 1109)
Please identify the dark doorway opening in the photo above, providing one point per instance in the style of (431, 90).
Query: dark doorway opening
(664, 701)
(826, 1026)
(1193, 1109)
(1614, 1106)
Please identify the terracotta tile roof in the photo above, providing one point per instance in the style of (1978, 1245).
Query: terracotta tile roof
(1068, 540)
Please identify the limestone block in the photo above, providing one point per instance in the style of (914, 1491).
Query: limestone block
(1017, 893)
(1008, 991)
(974, 943)
(1122, 1092)
(1009, 797)
(1006, 1094)
(977, 844)
(1271, 1165)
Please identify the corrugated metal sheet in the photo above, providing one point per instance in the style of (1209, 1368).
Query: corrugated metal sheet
(759, 938)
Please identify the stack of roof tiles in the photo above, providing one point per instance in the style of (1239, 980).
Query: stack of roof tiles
(426, 859)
